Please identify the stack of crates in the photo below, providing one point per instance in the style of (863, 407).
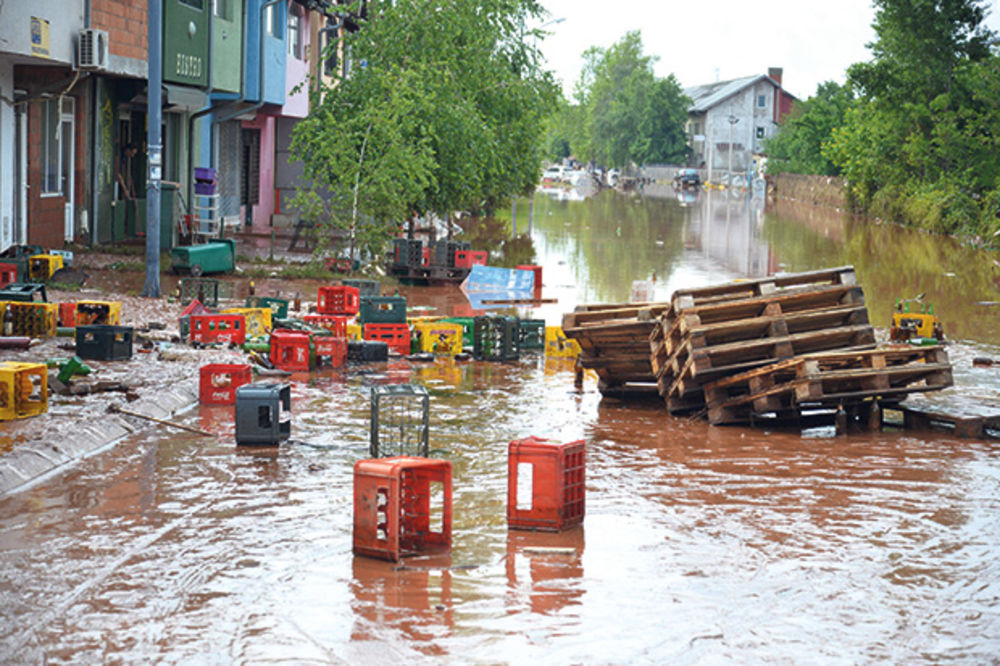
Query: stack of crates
(384, 318)
(407, 253)
(98, 312)
(23, 390)
(545, 484)
(336, 324)
(42, 266)
(531, 334)
(496, 338)
(258, 320)
(338, 300)
(443, 252)
(34, 320)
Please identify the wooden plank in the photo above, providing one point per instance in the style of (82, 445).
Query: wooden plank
(843, 275)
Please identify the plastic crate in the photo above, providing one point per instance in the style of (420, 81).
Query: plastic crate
(329, 350)
(536, 270)
(67, 315)
(354, 332)
(397, 336)
(222, 328)
(98, 312)
(205, 290)
(101, 342)
(468, 328)
(8, 274)
(402, 507)
(407, 252)
(336, 324)
(496, 338)
(364, 287)
(383, 310)
(557, 345)
(470, 258)
(367, 351)
(258, 320)
(262, 413)
(531, 334)
(290, 350)
(399, 421)
(42, 266)
(443, 252)
(338, 300)
(35, 320)
(278, 306)
(545, 484)
(218, 382)
(24, 390)
(439, 337)
(25, 292)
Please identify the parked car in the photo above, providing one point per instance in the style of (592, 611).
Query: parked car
(687, 178)
(557, 173)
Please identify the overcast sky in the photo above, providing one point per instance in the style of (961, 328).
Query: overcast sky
(715, 40)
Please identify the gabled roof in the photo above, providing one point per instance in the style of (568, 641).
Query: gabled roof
(706, 96)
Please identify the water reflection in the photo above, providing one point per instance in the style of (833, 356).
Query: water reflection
(544, 571)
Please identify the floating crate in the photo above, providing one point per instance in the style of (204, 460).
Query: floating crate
(205, 290)
(258, 320)
(545, 484)
(364, 287)
(557, 345)
(402, 507)
(263, 413)
(98, 312)
(531, 334)
(336, 324)
(24, 292)
(219, 381)
(329, 350)
(290, 350)
(338, 300)
(383, 310)
(496, 338)
(42, 266)
(24, 390)
(35, 320)
(8, 274)
(407, 252)
(468, 328)
(470, 258)
(101, 342)
(399, 421)
(439, 337)
(397, 336)
(67, 315)
(222, 328)
(367, 351)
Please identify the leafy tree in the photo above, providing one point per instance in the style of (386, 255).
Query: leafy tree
(798, 146)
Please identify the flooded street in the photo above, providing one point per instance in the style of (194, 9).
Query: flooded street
(700, 544)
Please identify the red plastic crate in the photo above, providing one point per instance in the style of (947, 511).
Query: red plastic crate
(470, 258)
(290, 350)
(537, 270)
(8, 274)
(330, 350)
(219, 381)
(336, 324)
(218, 328)
(338, 300)
(67, 315)
(425, 257)
(395, 514)
(397, 336)
(556, 499)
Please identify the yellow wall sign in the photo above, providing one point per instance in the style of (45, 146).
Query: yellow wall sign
(39, 37)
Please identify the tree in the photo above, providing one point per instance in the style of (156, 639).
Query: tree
(798, 146)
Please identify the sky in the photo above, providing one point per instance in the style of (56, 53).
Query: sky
(716, 40)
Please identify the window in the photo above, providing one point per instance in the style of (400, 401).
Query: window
(51, 169)
(762, 101)
(295, 32)
(196, 4)
(330, 62)
(760, 132)
(221, 8)
(271, 21)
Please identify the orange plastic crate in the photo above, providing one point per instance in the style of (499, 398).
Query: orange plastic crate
(227, 328)
(336, 324)
(330, 350)
(397, 336)
(556, 497)
(395, 514)
(290, 350)
(67, 315)
(338, 300)
(219, 381)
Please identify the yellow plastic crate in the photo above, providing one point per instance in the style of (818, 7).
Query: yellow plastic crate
(354, 332)
(413, 321)
(98, 312)
(24, 390)
(42, 266)
(258, 320)
(440, 337)
(36, 320)
(557, 345)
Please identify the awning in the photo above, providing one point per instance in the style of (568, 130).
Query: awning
(184, 97)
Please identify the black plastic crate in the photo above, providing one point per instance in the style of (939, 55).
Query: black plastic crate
(496, 338)
(407, 252)
(443, 252)
(367, 351)
(101, 342)
(24, 292)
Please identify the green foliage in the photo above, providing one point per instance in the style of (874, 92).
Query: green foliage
(798, 147)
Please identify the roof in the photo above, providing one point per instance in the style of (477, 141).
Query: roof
(706, 96)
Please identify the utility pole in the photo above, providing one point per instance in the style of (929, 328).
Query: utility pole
(729, 176)
(154, 149)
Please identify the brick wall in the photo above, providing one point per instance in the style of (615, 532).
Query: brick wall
(125, 21)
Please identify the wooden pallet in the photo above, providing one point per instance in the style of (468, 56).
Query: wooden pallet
(974, 427)
(748, 289)
(829, 379)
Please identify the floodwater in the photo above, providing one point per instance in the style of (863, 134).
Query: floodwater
(700, 544)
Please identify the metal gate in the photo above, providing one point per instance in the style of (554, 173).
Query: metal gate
(229, 170)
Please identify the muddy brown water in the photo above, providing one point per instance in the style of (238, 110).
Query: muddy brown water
(700, 544)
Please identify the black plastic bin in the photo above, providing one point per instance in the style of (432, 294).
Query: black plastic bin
(100, 342)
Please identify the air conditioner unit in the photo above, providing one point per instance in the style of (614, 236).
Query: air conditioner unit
(92, 49)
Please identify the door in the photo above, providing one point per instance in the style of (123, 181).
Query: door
(67, 161)
(250, 171)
